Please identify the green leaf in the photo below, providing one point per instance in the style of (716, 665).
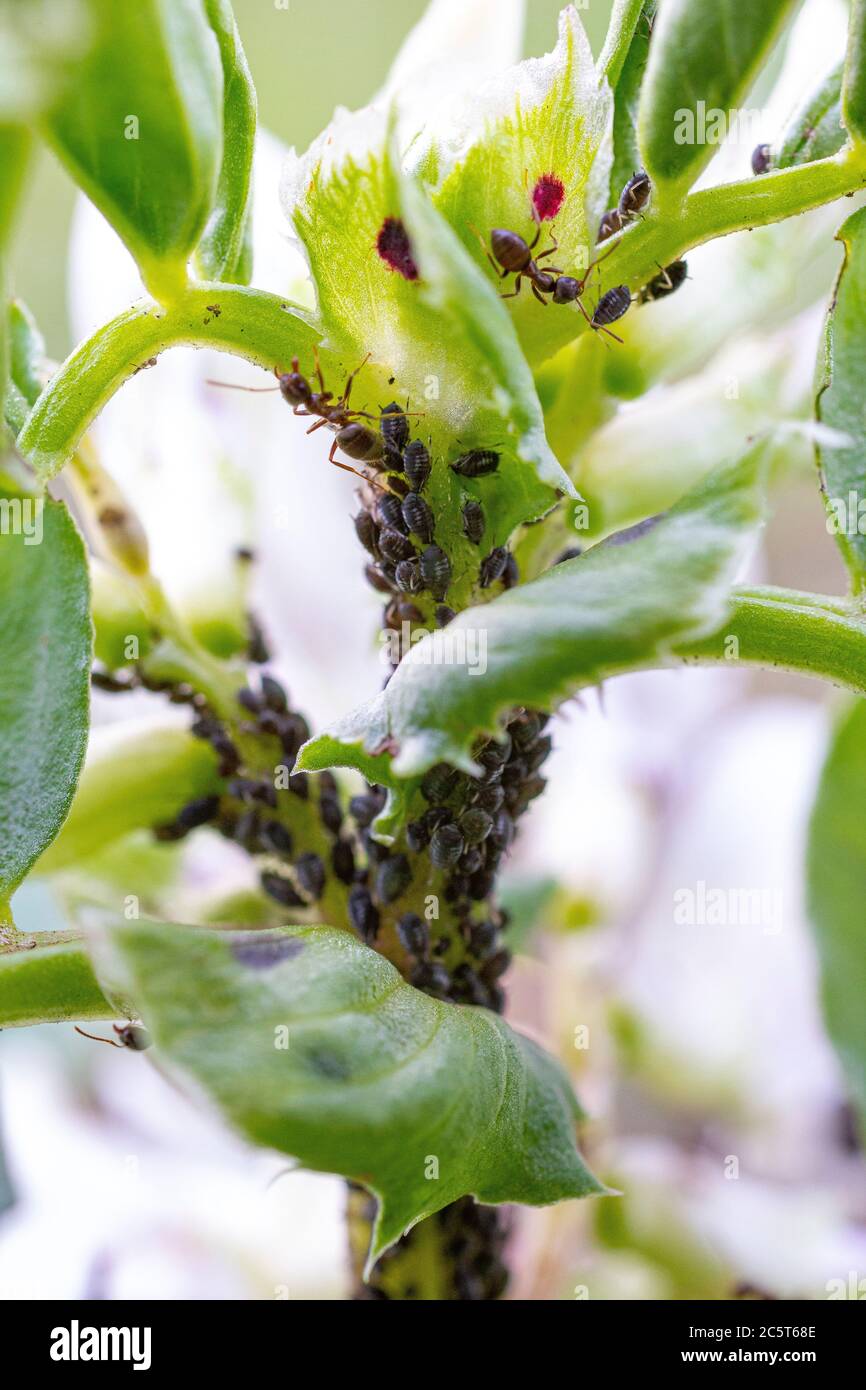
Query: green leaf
(45, 647)
(616, 608)
(262, 327)
(626, 102)
(15, 144)
(134, 778)
(836, 877)
(441, 339)
(815, 131)
(854, 80)
(141, 129)
(548, 116)
(311, 1043)
(841, 384)
(224, 250)
(703, 60)
(50, 984)
(624, 19)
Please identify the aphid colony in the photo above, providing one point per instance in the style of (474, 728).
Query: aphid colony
(472, 1236)
(397, 527)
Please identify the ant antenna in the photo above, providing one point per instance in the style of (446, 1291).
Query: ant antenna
(235, 386)
(94, 1037)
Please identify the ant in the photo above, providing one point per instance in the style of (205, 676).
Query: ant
(511, 255)
(130, 1035)
(359, 441)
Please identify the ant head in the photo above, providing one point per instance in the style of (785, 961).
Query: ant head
(294, 388)
(566, 290)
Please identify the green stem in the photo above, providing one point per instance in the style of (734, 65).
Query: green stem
(261, 327)
(805, 633)
(620, 31)
(49, 984)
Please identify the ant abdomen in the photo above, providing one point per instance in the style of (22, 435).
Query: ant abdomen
(510, 250)
(361, 443)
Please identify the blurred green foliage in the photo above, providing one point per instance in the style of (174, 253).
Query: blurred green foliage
(305, 59)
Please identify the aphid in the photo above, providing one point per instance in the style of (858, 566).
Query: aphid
(444, 615)
(525, 731)
(482, 935)
(395, 546)
(496, 965)
(493, 754)
(299, 785)
(762, 159)
(390, 513)
(198, 812)
(378, 579)
(393, 878)
(476, 825)
(274, 835)
(395, 428)
(281, 890)
(611, 222)
(417, 835)
(365, 809)
(416, 464)
(446, 846)
(477, 463)
(669, 279)
(571, 552)
(435, 570)
(311, 874)
(331, 812)
(367, 531)
(439, 782)
(418, 516)
(471, 861)
(408, 577)
(131, 1035)
(490, 798)
(493, 566)
(414, 934)
(363, 913)
(431, 976)
(473, 521)
(635, 195)
(343, 861)
(511, 573)
(611, 307)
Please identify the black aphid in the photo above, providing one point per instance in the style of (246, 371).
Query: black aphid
(477, 463)
(417, 516)
(435, 570)
(473, 522)
(416, 463)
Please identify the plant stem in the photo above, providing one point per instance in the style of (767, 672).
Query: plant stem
(49, 984)
(791, 631)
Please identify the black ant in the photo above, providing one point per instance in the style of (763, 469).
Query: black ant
(511, 255)
(130, 1035)
(357, 440)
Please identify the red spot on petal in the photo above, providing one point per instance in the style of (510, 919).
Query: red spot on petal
(548, 196)
(395, 248)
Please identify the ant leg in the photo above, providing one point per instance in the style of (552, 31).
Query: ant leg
(598, 260)
(549, 252)
(515, 291)
(539, 296)
(535, 240)
(344, 399)
(318, 367)
(317, 426)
